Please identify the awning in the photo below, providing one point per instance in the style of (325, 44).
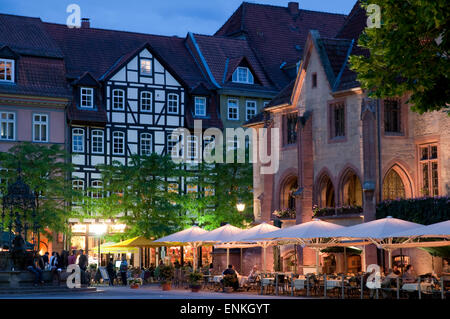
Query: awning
(107, 248)
(139, 241)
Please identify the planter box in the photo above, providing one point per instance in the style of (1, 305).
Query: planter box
(16, 279)
(166, 286)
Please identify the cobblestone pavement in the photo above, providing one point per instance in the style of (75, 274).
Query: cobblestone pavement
(145, 292)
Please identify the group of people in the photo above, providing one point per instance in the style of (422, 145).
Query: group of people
(56, 263)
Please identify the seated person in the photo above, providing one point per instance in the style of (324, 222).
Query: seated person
(253, 275)
(230, 271)
(37, 271)
(446, 273)
(409, 276)
(395, 270)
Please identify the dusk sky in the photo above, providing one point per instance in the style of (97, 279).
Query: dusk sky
(165, 17)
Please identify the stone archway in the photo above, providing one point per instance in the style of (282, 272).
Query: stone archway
(351, 193)
(326, 193)
(287, 198)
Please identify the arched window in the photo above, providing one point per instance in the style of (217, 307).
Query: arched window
(287, 193)
(326, 193)
(393, 187)
(351, 190)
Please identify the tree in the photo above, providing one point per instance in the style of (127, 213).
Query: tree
(223, 185)
(409, 53)
(140, 191)
(45, 168)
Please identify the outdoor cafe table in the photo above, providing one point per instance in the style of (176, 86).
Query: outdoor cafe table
(424, 287)
(242, 279)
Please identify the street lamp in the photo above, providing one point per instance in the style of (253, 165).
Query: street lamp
(240, 207)
(99, 230)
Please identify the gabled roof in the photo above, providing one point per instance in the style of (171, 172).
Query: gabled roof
(284, 97)
(99, 51)
(278, 35)
(220, 56)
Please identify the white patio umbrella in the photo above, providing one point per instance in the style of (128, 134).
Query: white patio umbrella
(242, 241)
(225, 233)
(380, 232)
(190, 236)
(307, 234)
(441, 229)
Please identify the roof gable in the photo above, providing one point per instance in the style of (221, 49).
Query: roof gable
(86, 80)
(277, 35)
(6, 52)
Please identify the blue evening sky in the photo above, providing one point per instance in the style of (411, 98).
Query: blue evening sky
(165, 17)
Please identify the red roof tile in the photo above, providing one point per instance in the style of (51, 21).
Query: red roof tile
(276, 35)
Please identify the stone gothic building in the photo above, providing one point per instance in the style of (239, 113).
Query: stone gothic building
(341, 153)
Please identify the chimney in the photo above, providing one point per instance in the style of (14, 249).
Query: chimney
(293, 8)
(85, 23)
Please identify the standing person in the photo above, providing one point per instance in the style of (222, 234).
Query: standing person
(73, 258)
(111, 271)
(83, 263)
(123, 270)
(64, 260)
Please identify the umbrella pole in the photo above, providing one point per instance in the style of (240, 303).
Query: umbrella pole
(194, 264)
(317, 261)
(228, 256)
(264, 258)
(240, 268)
(345, 260)
(390, 258)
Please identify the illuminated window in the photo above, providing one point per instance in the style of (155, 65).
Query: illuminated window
(191, 188)
(429, 170)
(146, 101)
(146, 66)
(393, 187)
(118, 99)
(8, 125)
(7, 70)
(209, 190)
(87, 97)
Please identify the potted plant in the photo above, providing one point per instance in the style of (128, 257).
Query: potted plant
(134, 283)
(195, 279)
(229, 281)
(166, 274)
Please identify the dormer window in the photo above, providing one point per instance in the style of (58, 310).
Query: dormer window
(200, 106)
(243, 75)
(146, 67)
(7, 70)
(87, 98)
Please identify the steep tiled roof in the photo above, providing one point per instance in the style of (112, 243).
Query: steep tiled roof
(354, 25)
(39, 63)
(284, 96)
(223, 55)
(27, 36)
(98, 50)
(278, 35)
